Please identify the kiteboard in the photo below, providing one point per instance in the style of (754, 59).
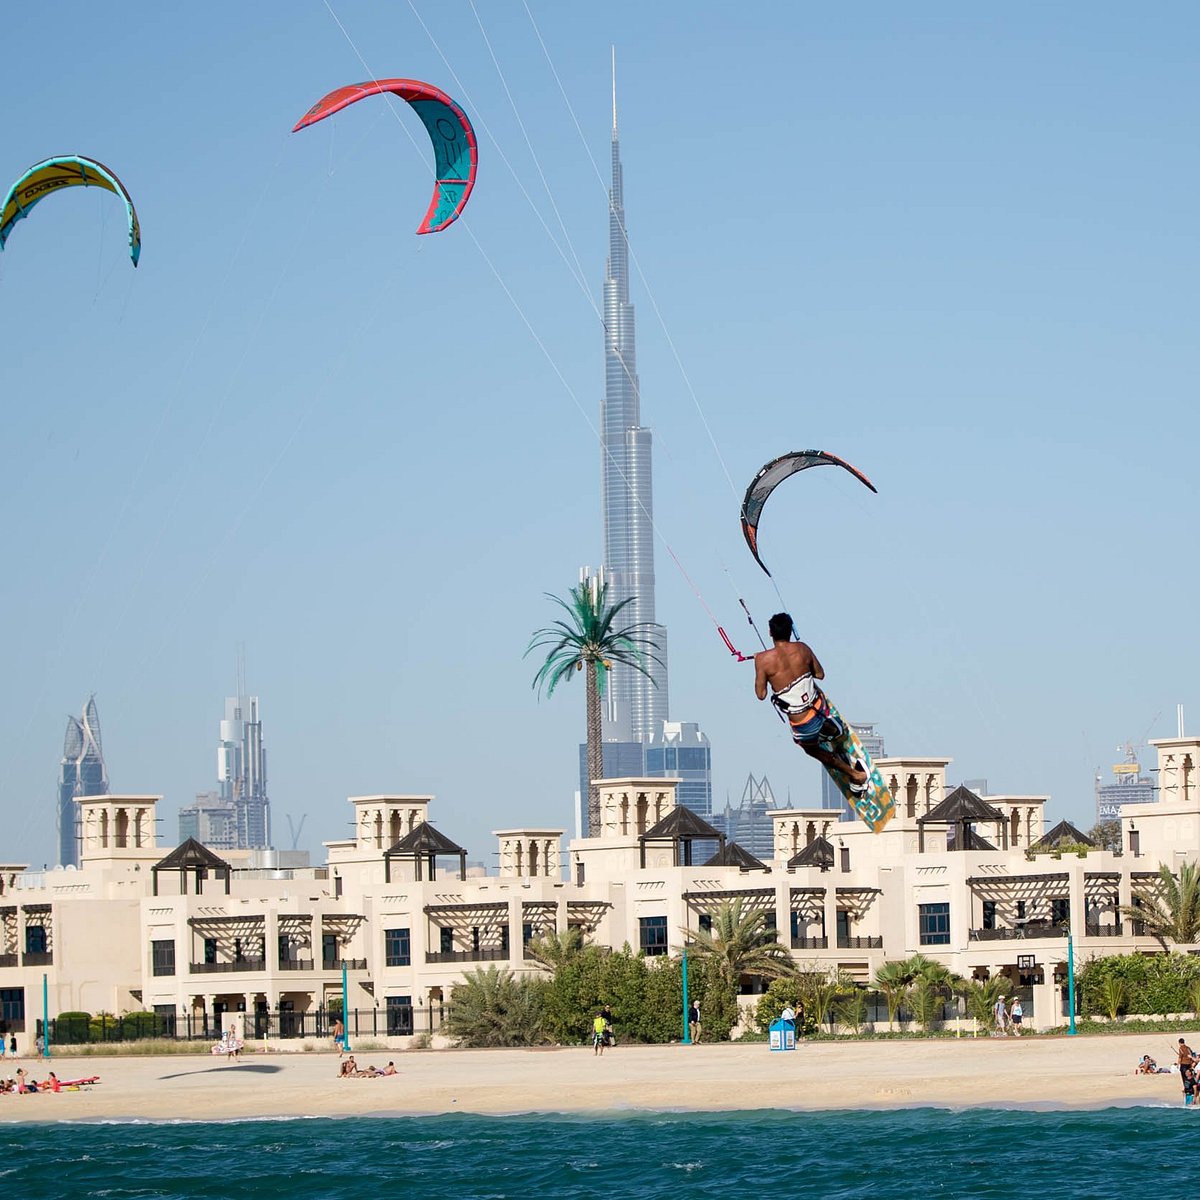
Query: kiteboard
(876, 805)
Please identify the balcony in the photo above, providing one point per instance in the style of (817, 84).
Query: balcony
(487, 954)
(229, 968)
(295, 964)
(1104, 930)
(859, 943)
(1030, 930)
(336, 964)
(9, 960)
(38, 958)
(810, 943)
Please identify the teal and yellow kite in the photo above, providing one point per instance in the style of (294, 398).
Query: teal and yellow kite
(68, 170)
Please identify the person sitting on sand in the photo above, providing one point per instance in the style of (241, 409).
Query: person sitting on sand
(348, 1068)
(390, 1069)
(1146, 1067)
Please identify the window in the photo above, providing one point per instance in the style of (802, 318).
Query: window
(934, 924)
(12, 1004)
(447, 942)
(397, 948)
(504, 939)
(285, 948)
(1060, 910)
(165, 1013)
(1020, 910)
(653, 935)
(210, 950)
(843, 927)
(162, 958)
(527, 933)
(399, 1016)
(989, 914)
(706, 922)
(329, 950)
(35, 939)
(239, 954)
(795, 924)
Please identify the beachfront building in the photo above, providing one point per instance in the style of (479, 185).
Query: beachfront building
(194, 935)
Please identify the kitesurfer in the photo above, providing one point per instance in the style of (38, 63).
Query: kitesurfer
(791, 670)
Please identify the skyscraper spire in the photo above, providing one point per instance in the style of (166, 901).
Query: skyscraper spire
(614, 79)
(638, 706)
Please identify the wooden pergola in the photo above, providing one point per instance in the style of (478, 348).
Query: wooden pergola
(192, 856)
(681, 827)
(424, 844)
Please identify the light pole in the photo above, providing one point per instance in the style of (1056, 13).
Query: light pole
(687, 1028)
(345, 1011)
(1071, 979)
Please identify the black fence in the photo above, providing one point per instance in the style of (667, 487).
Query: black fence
(394, 1021)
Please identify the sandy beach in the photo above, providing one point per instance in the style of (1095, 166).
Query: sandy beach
(1035, 1073)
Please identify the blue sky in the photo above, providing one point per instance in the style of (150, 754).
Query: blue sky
(955, 244)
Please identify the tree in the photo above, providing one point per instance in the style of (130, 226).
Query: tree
(1107, 835)
(493, 1008)
(587, 639)
(554, 950)
(1169, 907)
(981, 997)
(740, 943)
(892, 981)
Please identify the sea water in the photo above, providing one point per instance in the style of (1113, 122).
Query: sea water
(1132, 1153)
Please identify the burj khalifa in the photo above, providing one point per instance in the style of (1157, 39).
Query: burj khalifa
(637, 706)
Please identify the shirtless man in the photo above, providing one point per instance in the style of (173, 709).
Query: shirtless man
(790, 669)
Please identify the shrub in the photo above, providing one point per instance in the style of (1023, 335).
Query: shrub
(71, 1028)
(493, 1008)
(1153, 984)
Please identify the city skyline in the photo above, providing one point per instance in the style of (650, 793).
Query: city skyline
(934, 277)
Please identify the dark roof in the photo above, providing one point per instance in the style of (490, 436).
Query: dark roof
(422, 840)
(960, 805)
(191, 853)
(818, 853)
(1064, 831)
(680, 824)
(733, 855)
(974, 840)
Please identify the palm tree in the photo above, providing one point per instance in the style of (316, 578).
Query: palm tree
(1169, 907)
(493, 1008)
(587, 638)
(893, 979)
(740, 943)
(555, 950)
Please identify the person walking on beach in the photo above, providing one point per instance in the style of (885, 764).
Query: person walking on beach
(12, 1045)
(339, 1037)
(1015, 1015)
(598, 1034)
(694, 1022)
(1000, 1014)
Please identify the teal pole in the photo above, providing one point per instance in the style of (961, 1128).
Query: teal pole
(1071, 979)
(687, 1028)
(345, 1011)
(45, 1017)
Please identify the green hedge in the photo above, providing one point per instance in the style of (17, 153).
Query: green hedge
(1152, 984)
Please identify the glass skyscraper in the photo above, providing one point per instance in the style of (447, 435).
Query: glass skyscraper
(637, 706)
(82, 773)
(242, 772)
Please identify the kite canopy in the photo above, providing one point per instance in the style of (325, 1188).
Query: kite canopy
(772, 475)
(68, 170)
(448, 128)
